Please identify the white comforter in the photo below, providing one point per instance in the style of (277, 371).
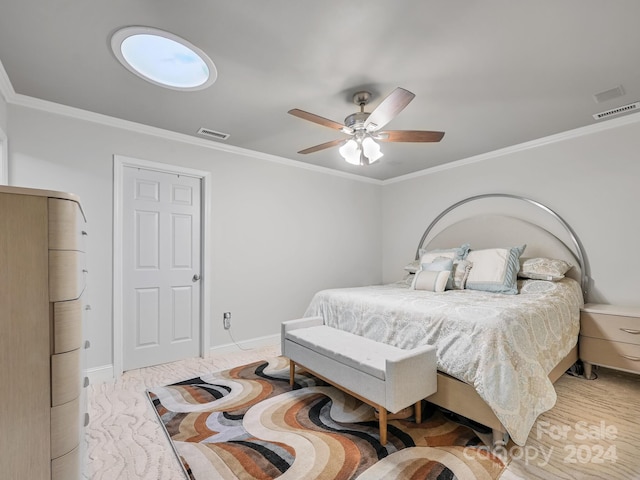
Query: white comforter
(503, 345)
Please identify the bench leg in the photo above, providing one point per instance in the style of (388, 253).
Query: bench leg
(418, 411)
(382, 422)
(292, 372)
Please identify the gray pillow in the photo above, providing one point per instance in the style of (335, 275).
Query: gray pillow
(458, 278)
(540, 268)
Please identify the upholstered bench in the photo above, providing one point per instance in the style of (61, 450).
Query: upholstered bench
(386, 377)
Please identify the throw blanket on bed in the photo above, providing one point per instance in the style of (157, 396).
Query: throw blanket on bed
(503, 345)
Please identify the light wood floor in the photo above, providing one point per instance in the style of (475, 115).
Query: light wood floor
(593, 432)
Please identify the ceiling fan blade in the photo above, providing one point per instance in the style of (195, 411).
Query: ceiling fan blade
(409, 136)
(391, 106)
(322, 146)
(312, 117)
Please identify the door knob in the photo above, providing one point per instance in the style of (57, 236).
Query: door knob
(196, 277)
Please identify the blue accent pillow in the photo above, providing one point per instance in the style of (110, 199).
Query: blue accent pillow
(438, 265)
(457, 253)
(427, 256)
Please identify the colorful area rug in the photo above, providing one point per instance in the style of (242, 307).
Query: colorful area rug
(248, 423)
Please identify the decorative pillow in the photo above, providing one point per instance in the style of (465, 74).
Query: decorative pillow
(458, 278)
(458, 253)
(495, 269)
(432, 281)
(543, 268)
(433, 276)
(427, 256)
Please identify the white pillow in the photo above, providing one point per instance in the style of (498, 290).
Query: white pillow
(495, 269)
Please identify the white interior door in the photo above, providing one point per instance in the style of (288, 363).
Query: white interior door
(161, 267)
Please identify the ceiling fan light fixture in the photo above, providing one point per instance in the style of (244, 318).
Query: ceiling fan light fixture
(350, 151)
(358, 151)
(371, 150)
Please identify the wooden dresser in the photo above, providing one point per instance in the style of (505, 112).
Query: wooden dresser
(42, 279)
(610, 336)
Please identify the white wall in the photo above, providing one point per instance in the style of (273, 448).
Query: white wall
(279, 233)
(589, 180)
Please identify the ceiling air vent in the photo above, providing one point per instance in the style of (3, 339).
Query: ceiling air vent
(617, 111)
(207, 132)
(609, 94)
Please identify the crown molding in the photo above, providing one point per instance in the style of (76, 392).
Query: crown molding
(555, 138)
(80, 114)
(6, 88)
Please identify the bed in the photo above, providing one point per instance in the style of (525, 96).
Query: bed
(498, 353)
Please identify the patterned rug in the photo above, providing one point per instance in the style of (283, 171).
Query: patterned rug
(247, 423)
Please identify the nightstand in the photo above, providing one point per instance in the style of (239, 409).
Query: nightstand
(610, 336)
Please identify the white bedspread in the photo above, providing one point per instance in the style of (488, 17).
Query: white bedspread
(503, 345)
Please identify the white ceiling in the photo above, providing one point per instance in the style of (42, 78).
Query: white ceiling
(490, 73)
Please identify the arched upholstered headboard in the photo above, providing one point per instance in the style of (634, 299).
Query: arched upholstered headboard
(546, 234)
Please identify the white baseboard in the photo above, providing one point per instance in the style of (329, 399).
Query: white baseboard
(104, 373)
(267, 341)
(100, 374)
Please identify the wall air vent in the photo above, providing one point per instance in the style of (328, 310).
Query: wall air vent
(207, 132)
(617, 111)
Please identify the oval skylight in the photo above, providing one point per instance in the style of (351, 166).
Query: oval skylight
(163, 58)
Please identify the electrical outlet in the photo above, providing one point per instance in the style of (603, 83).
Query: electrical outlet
(226, 320)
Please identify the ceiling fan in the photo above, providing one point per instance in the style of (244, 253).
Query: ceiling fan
(364, 128)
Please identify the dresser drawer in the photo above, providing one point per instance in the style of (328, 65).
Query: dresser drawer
(610, 327)
(65, 377)
(66, 275)
(65, 428)
(67, 466)
(623, 356)
(66, 225)
(67, 326)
